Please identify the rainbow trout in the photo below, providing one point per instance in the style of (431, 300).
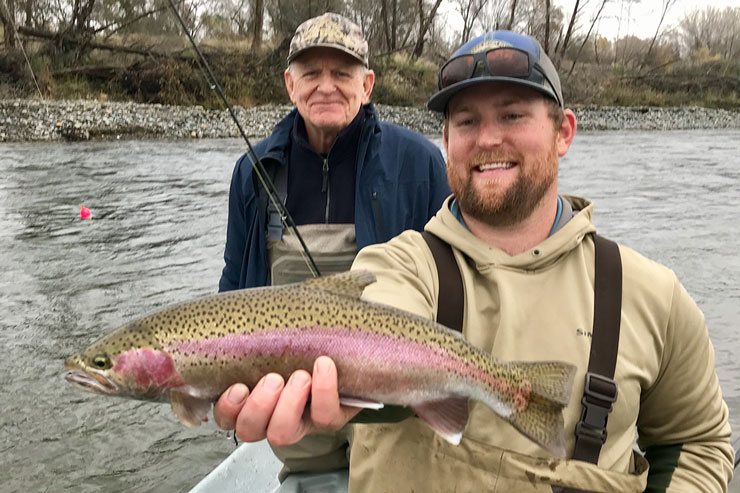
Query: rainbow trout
(190, 353)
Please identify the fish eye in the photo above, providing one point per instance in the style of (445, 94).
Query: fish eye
(102, 361)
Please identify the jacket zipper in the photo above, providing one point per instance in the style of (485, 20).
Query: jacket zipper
(378, 217)
(325, 187)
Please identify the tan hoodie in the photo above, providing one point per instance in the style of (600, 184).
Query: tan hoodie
(538, 305)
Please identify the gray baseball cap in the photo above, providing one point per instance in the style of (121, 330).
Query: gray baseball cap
(526, 64)
(329, 30)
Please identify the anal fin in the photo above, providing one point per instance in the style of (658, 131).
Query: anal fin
(447, 417)
(188, 409)
(362, 403)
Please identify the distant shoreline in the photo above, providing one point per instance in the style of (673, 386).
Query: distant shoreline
(30, 120)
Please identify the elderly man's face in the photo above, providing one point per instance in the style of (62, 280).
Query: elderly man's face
(328, 87)
(502, 151)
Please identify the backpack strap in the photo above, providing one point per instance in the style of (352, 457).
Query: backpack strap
(600, 390)
(451, 297)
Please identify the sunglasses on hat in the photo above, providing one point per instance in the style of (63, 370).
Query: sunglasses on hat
(499, 62)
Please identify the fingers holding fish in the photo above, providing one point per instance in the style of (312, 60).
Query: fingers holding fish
(288, 424)
(228, 406)
(258, 410)
(325, 410)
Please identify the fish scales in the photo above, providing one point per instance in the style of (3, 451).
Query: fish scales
(191, 352)
(341, 319)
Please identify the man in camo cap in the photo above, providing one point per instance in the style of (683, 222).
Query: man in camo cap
(350, 179)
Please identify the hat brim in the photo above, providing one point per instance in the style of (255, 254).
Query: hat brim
(297, 53)
(440, 100)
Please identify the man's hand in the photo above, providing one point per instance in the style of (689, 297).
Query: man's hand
(277, 411)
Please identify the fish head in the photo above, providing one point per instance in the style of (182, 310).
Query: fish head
(126, 363)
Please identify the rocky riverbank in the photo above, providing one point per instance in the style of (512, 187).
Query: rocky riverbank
(36, 120)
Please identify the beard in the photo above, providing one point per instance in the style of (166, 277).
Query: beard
(494, 206)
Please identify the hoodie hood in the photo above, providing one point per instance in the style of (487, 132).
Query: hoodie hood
(445, 225)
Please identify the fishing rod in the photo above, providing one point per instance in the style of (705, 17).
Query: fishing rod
(254, 159)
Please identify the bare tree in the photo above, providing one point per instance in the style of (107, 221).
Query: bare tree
(620, 19)
(287, 15)
(547, 27)
(594, 20)
(717, 31)
(28, 9)
(667, 4)
(532, 19)
(258, 24)
(389, 25)
(492, 16)
(81, 10)
(510, 24)
(569, 32)
(469, 11)
(7, 16)
(425, 21)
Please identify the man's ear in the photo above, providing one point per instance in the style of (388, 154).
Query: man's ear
(367, 84)
(566, 132)
(289, 84)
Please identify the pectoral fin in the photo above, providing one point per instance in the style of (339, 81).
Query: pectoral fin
(447, 417)
(188, 409)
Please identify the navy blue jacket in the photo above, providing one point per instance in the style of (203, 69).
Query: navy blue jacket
(401, 183)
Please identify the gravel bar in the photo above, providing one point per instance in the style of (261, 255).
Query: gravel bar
(26, 120)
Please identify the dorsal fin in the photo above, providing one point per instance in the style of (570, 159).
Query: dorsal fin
(350, 283)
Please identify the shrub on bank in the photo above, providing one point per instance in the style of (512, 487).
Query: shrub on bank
(402, 81)
(251, 79)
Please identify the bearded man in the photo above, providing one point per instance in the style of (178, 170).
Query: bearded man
(527, 257)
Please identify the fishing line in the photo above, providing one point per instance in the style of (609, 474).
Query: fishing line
(254, 159)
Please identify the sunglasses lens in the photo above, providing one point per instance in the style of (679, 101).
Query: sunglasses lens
(508, 63)
(456, 70)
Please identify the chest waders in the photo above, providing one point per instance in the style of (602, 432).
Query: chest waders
(332, 246)
(600, 390)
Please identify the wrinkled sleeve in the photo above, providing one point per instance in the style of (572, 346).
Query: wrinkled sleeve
(236, 234)
(406, 277)
(316, 453)
(683, 422)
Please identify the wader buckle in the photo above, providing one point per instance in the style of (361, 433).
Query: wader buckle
(599, 394)
(274, 224)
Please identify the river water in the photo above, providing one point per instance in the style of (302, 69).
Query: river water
(156, 237)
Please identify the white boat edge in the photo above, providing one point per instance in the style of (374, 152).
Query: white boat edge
(253, 468)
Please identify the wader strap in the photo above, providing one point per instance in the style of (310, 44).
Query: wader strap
(451, 298)
(274, 220)
(600, 389)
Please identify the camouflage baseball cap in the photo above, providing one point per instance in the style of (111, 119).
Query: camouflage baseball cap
(329, 30)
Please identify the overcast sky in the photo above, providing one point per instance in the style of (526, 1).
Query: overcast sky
(642, 20)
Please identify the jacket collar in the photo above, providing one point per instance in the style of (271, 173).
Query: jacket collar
(445, 225)
(277, 145)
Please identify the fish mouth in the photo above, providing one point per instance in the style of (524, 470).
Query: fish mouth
(100, 384)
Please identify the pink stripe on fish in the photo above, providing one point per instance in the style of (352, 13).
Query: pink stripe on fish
(338, 343)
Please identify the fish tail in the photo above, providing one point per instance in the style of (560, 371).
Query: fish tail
(537, 411)
(541, 416)
(551, 381)
(542, 422)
